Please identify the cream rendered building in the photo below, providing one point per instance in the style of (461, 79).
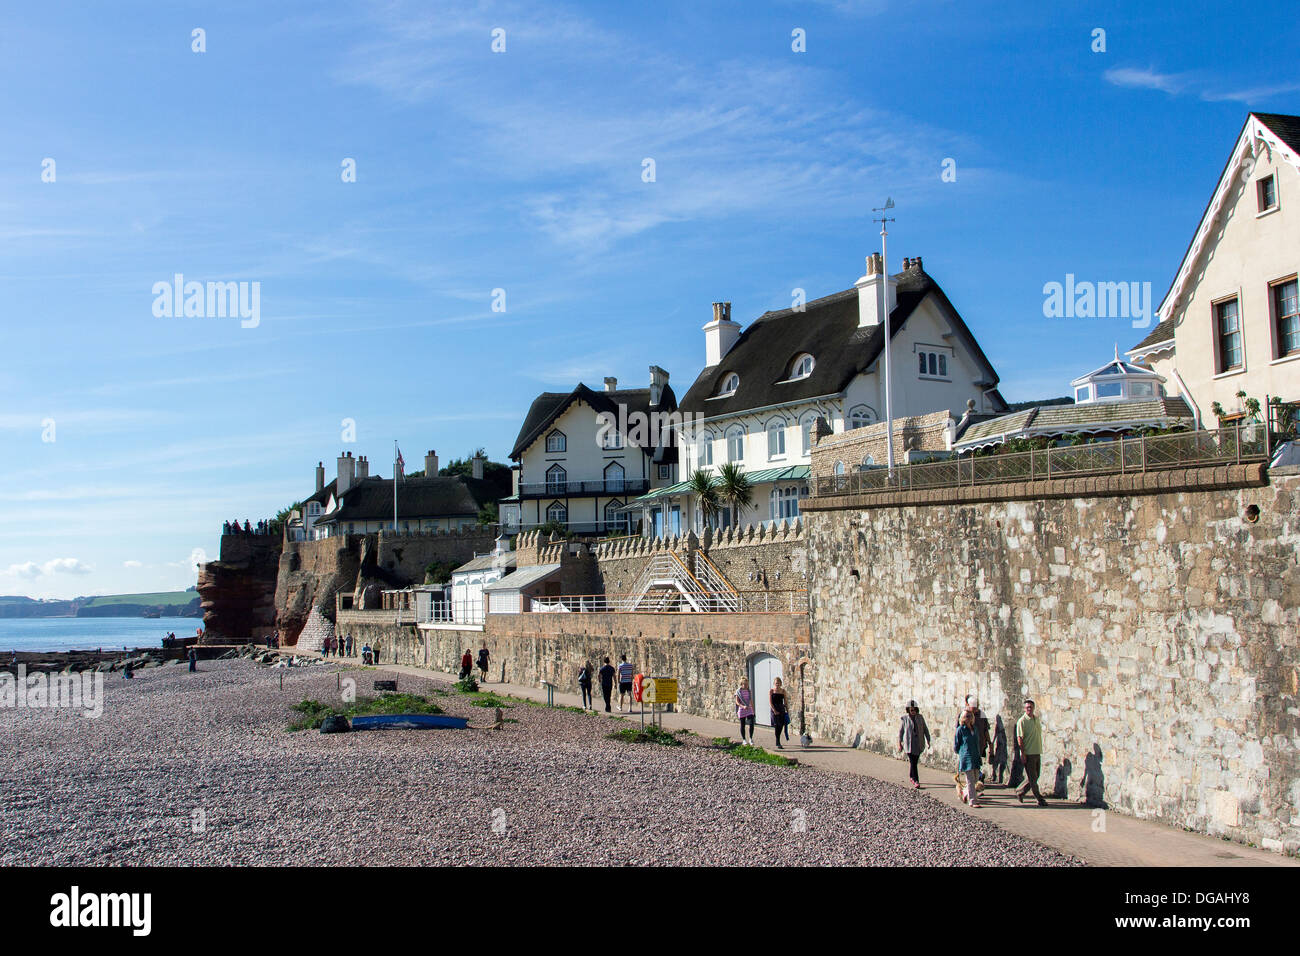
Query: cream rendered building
(1231, 319)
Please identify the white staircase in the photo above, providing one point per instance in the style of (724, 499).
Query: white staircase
(667, 581)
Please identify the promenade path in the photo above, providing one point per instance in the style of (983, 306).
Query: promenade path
(1065, 825)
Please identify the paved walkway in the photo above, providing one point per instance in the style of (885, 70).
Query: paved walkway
(1064, 825)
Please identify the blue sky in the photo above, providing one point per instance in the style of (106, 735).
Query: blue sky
(522, 171)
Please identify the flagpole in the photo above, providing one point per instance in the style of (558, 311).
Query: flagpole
(884, 312)
(394, 486)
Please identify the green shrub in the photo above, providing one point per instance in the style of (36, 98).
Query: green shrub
(467, 685)
(651, 735)
(314, 712)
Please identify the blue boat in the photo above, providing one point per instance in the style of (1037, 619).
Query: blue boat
(410, 722)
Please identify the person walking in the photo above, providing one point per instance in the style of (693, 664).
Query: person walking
(966, 746)
(1029, 737)
(780, 710)
(998, 760)
(484, 658)
(913, 738)
(745, 710)
(584, 684)
(625, 672)
(349, 645)
(466, 664)
(607, 682)
(194, 659)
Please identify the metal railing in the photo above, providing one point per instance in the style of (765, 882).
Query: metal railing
(675, 602)
(1121, 456)
(623, 486)
(1284, 420)
(464, 611)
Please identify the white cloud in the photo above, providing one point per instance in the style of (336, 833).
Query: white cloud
(30, 569)
(1251, 95)
(132, 564)
(1148, 79)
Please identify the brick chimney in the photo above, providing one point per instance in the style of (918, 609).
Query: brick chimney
(320, 475)
(720, 334)
(869, 292)
(346, 473)
(431, 464)
(658, 381)
(476, 466)
(363, 468)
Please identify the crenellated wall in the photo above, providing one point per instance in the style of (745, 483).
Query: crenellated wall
(757, 558)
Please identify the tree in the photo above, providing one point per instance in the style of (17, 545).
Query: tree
(734, 489)
(705, 492)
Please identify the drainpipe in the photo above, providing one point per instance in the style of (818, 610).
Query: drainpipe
(1196, 410)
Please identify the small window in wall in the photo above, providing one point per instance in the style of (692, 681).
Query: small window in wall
(736, 444)
(839, 468)
(861, 416)
(776, 439)
(557, 480)
(801, 367)
(611, 439)
(1142, 390)
(932, 364)
(805, 432)
(868, 462)
(730, 382)
(556, 511)
(704, 456)
(555, 441)
(1267, 193)
(1286, 316)
(665, 471)
(1110, 390)
(784, 503)
(1083, 393)
(1227, 326)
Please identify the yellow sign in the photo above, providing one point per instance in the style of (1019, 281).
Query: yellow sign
(659, 690)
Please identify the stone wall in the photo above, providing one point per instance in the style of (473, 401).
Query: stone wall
(708, 653)
(756, 558)
(1154, 621)
(915, 433)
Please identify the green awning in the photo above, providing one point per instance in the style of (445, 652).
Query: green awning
(762, 476)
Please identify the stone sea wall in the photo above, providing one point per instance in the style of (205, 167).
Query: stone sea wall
(1155, 621)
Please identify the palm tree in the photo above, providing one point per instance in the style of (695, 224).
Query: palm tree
(734, 489)
(705, 492)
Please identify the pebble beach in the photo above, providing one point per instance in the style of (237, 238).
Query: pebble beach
(201, 769)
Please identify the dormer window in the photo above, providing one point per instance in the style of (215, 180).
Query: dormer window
(802, 366)
(730, 382)
(555, 441)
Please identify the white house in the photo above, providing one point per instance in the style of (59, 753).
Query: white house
(466, 604)
(1230, 321)
(583, 455)
(764, 387)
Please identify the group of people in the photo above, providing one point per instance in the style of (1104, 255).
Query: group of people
(344, 646)
(974, 742)
(778, 705)
(607, 674)
(467, 664)
(233, 527)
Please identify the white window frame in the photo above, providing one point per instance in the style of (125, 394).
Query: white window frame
(860, 411)
(732, 379)
(776, 438)
(736, 434)
(560, 486)
(561, 508)
(801, 367)
(562, 442)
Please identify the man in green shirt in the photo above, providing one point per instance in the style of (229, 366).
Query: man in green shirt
(1029, 737)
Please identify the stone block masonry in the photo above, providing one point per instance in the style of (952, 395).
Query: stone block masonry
(1154, 618)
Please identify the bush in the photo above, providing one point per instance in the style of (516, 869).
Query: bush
(651, 735)
(467, 685)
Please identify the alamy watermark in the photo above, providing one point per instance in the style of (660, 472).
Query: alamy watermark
(210, 300)
(44, 691)
(1098, 300)
(645, 429)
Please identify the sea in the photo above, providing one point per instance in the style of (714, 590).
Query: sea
(90, 633)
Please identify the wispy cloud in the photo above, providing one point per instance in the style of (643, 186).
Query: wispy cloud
(30, 569)
(1146, 79)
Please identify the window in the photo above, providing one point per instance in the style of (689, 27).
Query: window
(933, 364)
(616, 520)
(730, 382)
(839, 468)
(1227, 327)
(704, 454)
(1142, 390)
(861, 416)
(557, 480)
(1286, 315)
(776, 439)
(611, 438)
(736, 444)
(614, 475)
(313, 508)
(802, 366)
(1110, 390)
(1267, 193)
(556, 511)
(1083, 393)
(805, 432)
(665, 471)
(784, 503)
(555, 441)
(868, 462)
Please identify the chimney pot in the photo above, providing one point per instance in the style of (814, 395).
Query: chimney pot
(431, 464)
(477, 467)
(611, 383)
(917, 263)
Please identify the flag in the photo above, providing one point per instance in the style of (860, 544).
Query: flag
(399, 466)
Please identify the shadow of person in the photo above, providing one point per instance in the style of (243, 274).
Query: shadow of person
(1017, 768)
(1061, 785)
(1094, 780)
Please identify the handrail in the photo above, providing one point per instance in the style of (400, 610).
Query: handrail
(788, 601)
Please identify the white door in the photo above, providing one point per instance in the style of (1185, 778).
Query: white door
(764, 670)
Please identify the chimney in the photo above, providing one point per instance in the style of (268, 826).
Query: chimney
(611, 383)
(363, 467)
(916, 264)
(720, 334)
(431, 464)
(476, 467)
(347, 468)
(869, 292)
(320, 475)
(658, 381)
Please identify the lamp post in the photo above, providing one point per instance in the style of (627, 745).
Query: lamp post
(884, 312)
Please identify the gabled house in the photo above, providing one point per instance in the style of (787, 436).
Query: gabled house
(357, 503)
(583, 455)
(764, 387)
(1230, 321)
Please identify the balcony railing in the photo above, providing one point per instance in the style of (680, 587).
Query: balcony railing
(1121, 456)
(674, 602)
(588, 527)
(560, 489)
(469, 611)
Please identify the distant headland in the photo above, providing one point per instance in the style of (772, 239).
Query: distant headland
(155, 604)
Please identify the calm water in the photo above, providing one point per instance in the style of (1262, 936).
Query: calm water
(88, 633)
